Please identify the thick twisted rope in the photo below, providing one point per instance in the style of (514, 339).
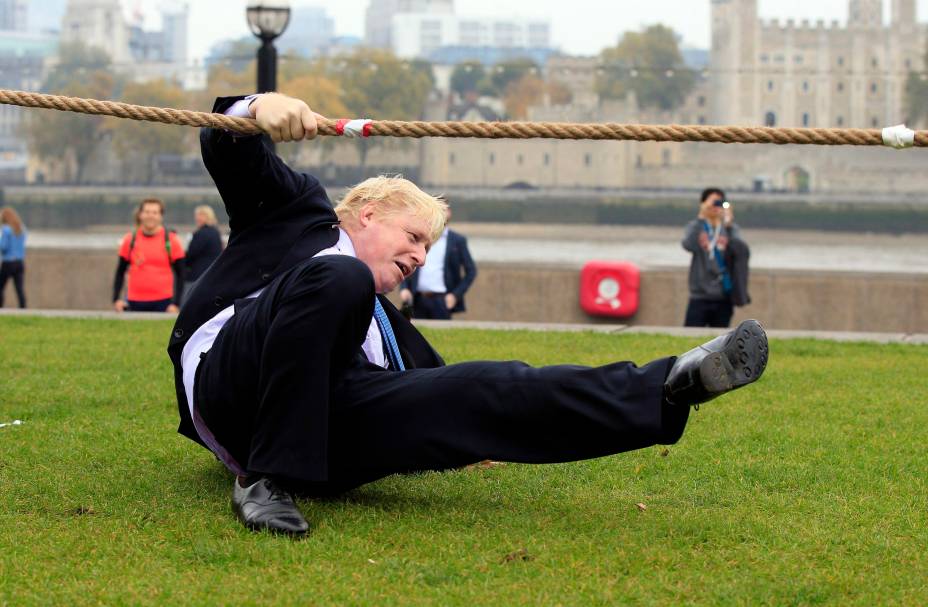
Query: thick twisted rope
(482, 130)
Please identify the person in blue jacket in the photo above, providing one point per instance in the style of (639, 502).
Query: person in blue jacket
(13, 252)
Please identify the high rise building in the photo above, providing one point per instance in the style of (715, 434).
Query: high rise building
(174, 34)
(99, 24)
(13, 15)
(378, 20)
(310, 32)
(45, 15)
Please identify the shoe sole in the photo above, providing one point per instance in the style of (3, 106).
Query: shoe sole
(742, 361)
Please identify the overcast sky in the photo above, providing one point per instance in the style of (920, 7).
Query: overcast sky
(578, 26)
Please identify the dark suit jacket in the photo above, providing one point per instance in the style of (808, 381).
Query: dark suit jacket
(277, 218)
(460, 270)
(205, 247)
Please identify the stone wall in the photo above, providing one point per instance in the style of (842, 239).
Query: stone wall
(783, 299)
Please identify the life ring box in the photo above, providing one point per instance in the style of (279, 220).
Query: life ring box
(610, 288)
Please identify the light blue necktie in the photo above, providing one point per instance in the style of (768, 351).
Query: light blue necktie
(393, 351)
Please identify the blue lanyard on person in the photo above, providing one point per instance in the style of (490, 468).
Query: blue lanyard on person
(714, 250)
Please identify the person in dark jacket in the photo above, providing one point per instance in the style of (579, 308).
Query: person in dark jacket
(205, 246)
(710, 279)
(436, 290)
(295, 371)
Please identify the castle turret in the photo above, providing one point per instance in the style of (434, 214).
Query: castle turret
(865, 13)
(733, 60)
(903, 12)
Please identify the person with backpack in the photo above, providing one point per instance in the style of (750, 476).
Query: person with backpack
(153, 257)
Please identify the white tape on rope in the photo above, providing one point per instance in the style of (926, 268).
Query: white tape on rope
(899, 136)
(359, 127)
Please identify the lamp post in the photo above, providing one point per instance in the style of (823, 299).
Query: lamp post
(267, 19)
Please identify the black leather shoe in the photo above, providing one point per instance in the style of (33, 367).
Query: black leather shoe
(264, 505)
(726, 363)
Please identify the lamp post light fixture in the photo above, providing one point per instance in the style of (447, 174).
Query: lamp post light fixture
(267, 19)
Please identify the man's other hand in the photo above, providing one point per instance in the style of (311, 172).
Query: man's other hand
(172, 309)
(450, 301)
(119, 305)
(284, 118)
(704, 241)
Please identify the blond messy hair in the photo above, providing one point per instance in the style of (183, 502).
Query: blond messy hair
(394, 196)
(207, 211)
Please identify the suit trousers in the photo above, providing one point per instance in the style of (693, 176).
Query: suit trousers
(286, 391)
(430, 306)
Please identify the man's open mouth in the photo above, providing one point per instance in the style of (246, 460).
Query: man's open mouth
(404, 269)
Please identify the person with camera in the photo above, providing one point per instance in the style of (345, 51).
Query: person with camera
(714, 271)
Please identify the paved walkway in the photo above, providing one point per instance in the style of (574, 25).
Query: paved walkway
(882, 338)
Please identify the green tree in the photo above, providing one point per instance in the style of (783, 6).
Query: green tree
(506, 72)
(530, 90)
(65, 136)
(648, 63)
(377, 85)
(467, 76)
(139, 143)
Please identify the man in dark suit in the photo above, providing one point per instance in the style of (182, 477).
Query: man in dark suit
(294, 370)
(437, 289)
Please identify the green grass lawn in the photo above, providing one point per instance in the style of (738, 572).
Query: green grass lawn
(807, 488)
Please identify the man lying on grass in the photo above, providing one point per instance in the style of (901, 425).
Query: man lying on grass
(298, 374)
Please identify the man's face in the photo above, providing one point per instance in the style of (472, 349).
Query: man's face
(150, 217)
(392, 246)
(708, 207)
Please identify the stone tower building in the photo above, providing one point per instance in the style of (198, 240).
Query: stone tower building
(817, 75)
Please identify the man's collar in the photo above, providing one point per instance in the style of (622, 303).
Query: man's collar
(344, 244)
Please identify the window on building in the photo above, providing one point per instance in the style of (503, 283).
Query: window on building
(547, 159)
(874, 62)
(840, 121)
(840, 87)
(840, 60)
(701, 101)
(770, 85)
(519, 159)
(779, 58)
(798, 58)
(770, 119)
(874, 122)
(492, 158)
(451, 158)
(588, 159)
(873, 87)
(665, 158)
(805, 86)
(765, 58)
(639, 161)
(702, 120)
(908, 64)
(805, 119)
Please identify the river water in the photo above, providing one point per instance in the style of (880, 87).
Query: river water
(646, 246)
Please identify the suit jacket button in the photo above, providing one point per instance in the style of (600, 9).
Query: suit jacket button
(265, 277)
(218, 301)
(179, 333)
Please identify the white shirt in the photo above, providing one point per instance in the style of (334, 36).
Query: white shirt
(204, 337)
(432, 274)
